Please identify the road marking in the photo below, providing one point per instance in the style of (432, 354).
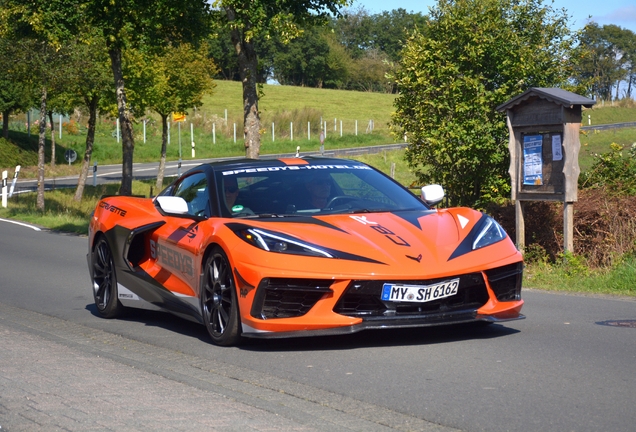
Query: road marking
(33, 227)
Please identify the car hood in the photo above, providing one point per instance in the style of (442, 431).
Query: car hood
(422, 242)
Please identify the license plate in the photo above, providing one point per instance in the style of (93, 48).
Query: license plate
(419, 293)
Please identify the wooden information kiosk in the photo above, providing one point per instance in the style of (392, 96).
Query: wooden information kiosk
(544, 149)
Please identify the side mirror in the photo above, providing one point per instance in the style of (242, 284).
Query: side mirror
(172, 205)
(432, 194)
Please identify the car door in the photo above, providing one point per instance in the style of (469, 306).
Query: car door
(176, 246)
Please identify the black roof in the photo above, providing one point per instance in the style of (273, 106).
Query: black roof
(303, 160)
(556, 95)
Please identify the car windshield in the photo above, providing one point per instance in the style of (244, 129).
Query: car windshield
(311, 190)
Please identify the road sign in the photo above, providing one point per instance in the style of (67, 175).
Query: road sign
(70, 156)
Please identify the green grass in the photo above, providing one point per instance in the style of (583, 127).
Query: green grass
(344, 105)
(577, 278)
(600, 141)
(607, 113)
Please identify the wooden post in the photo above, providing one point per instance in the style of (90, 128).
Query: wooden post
(520, 226)
(568, 226)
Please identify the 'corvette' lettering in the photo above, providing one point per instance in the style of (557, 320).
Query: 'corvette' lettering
(172, 258)
(112, 209)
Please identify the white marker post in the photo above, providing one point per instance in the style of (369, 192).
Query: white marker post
(15, 179)
(60, 126)
(192, 138)
(4, 188)
(117, 129)
(144, 131)
(308, 131)
(213, 133)
(291, 131)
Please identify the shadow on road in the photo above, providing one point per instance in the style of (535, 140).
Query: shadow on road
(363, 339)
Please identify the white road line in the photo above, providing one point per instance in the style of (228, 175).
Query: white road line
(21, 223)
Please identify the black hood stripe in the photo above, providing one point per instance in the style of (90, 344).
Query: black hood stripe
(235, 226)
(413, 216)
(466, 245)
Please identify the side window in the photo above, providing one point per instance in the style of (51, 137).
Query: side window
(194, 190)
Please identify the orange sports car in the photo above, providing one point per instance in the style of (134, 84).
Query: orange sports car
(299, 247)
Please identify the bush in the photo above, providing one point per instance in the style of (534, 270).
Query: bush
(604, 228)
(612, 171)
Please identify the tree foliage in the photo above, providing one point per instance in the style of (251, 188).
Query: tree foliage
(250, 20)
(175, 81)
(607, 58)
(473, 56)
(16, 89)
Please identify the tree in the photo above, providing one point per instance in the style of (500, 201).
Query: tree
(149, 25)
(303, 61)
(178, 80)
(45, 66)
(385, 32)
(90, 83)
(473, 56)
(250, 19)
(16, 92)
(129, 23)
(605, 59)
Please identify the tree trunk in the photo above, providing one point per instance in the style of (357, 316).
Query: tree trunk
(41, 144)
(90, 139)
(164, 144)
(52, 140)
(125, 123)
(248, 68)
(5, 123)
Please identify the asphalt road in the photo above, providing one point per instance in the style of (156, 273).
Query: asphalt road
(143, 171)
(558, 370)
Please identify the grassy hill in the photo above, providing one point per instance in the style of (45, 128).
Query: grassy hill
(279, 104)
(344, 105)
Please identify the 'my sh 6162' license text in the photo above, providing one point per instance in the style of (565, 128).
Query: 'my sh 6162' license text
(419, 293)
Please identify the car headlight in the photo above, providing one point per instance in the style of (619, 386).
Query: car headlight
(276, 242)
(491, 232)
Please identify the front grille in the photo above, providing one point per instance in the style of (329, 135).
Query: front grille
(287, 298)
(506, 281)
(362, 299)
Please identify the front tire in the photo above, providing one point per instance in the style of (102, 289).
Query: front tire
(219, 304)
(105, 281)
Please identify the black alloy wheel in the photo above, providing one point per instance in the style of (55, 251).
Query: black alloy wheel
(105, 281)
(219, 305)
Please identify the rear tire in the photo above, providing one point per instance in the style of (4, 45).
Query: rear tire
(219, 304)
(105, 281)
